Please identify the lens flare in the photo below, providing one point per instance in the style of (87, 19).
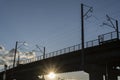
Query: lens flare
(51, 75)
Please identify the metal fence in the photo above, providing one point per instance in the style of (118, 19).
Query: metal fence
(92, 43)
(108, 36)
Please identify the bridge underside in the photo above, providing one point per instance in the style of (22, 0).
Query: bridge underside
(99, 60)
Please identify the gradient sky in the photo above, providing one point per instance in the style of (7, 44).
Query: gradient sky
(54, 24)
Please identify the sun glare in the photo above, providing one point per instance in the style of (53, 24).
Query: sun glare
(51, 75)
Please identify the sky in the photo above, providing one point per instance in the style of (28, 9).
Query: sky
(54, 24)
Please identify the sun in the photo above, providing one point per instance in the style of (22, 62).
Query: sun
(51, 75)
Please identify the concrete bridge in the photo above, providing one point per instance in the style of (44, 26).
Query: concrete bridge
(101, 58)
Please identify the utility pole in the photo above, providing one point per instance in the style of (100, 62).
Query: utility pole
(15, 54)
(43, 51)
(43, 77)
(82, 34)
(117, 29)
(17, 47)
(82, 31)
(112, 25)
(43, 58)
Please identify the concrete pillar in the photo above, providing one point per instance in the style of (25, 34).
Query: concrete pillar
(112, 76)
(95, 76)
(110, 73)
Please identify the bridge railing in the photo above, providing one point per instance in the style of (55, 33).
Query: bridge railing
(63, 51)
(108, 37)
(55, 53)
(92, 43)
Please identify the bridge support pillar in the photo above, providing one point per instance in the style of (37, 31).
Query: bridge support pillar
(110, 73)
(111, 76)
(95, 76)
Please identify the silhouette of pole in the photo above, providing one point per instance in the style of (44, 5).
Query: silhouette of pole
(43, 58)
(117, 30)
(16, 47)
(82, 35)
(43, 77)
(113, 25)
(43, 52)
(15, 54)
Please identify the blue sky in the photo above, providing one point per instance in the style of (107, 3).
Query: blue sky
(54, 24)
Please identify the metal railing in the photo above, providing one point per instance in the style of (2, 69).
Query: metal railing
(108, 36)
(92, 43)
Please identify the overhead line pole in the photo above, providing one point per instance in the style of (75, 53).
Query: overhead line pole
(15, 54)
(82, 35)
(115, 26)
(16, 47)
(82, 32)
(43, 58)
(44, 49)
(43, 52)
(117, 30)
